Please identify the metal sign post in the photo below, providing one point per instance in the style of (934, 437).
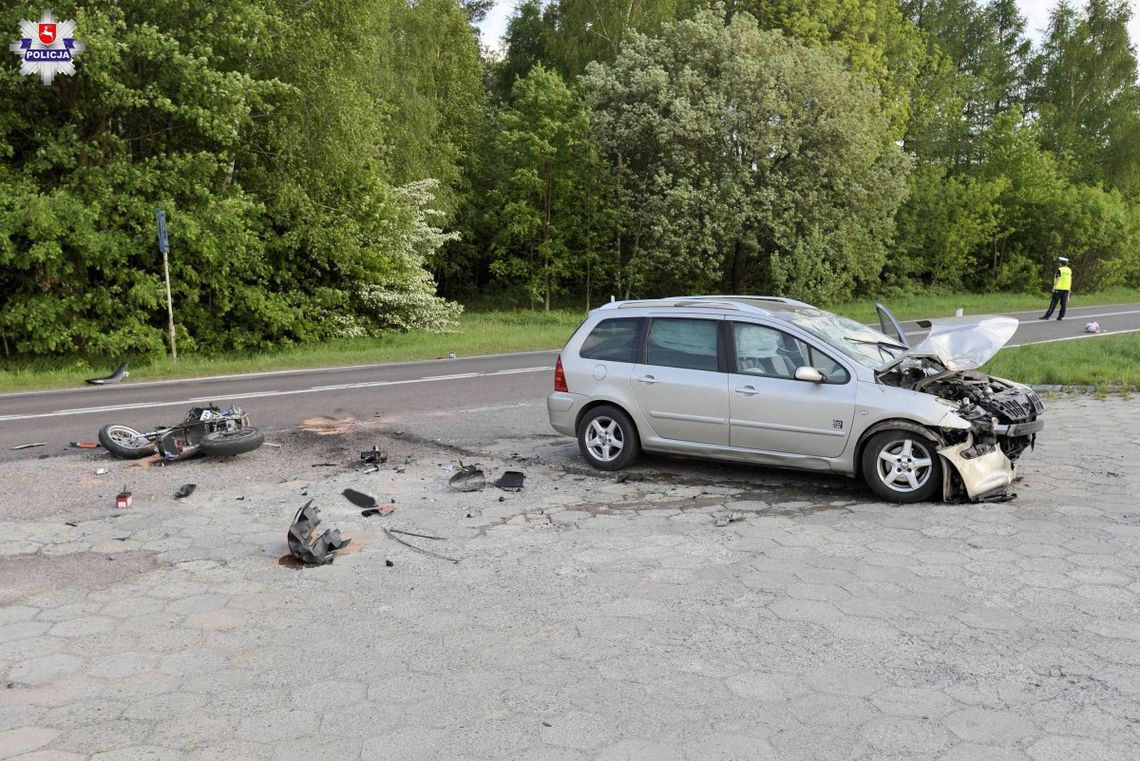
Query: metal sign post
(164, 247)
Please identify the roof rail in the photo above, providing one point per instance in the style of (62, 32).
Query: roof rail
(678, 303)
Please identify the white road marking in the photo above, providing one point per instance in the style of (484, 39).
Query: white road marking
(1072, 317)
(266, 394)
(301, 371)
(1079, 337)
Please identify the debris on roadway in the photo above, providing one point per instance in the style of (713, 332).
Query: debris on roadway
(468, 478)
(511, 480)
(307, 548)
(120, 373)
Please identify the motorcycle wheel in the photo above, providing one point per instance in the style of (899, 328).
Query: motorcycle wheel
(229, 443)
(124, 442)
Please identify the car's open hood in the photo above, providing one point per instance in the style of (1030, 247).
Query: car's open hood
(962, 343)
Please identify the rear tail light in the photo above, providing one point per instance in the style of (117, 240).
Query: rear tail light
(559, 376)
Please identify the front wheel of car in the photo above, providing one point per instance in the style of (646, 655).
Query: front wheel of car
(607, 438)
(902, 466)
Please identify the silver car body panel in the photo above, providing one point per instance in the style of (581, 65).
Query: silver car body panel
(962, 343)
(786, 422)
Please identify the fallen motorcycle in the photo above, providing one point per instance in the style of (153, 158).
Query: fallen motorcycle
(206, 430)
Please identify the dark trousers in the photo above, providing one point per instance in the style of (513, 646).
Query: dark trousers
(1059, 297)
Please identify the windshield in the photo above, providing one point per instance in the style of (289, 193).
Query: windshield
(868, 347)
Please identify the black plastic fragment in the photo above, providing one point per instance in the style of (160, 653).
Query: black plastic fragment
(185, 490)
(374, 455)
(120, 373)
(359, 498)
(511, 480)
(301, 544)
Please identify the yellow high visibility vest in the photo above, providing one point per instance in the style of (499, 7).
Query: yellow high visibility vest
(1064, 279)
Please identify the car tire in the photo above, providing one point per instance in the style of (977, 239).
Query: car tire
(902, 466)
(608, 438)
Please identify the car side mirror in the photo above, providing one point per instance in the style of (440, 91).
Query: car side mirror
(810, 374)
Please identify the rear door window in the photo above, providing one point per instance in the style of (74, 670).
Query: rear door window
(679, 342)
(613, 340)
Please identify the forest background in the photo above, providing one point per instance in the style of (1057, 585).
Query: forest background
(350, 168)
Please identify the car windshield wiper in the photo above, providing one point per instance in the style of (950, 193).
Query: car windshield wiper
(880, 344)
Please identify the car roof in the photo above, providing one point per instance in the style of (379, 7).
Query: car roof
(770, 306)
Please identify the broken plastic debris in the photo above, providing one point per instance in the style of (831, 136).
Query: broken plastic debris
(185, 490)
(359, 498)
(468, 478)
(511, 480)
(303, 546)
(85, 445)
(120, 373)
(123, 499)
(724, 520)
(382, 510)
(100, 471)
(374, 455)
(30, 446)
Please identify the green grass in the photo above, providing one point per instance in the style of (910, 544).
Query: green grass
(1101, 361)
(1097, 362)
(478, 333)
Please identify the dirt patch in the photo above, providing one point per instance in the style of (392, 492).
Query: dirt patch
(328, 426)
(23, 577)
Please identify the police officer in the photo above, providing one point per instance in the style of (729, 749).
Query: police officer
(1062, 284)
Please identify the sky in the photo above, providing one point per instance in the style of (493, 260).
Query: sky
(1036, 14)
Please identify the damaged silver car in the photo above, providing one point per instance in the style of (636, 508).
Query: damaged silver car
(779, 382)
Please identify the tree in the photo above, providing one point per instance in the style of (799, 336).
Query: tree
(545, 166)
(1086, 94)
(595, 30)
(293, 170)
(748, 161)
(527, 44)
(873, 36)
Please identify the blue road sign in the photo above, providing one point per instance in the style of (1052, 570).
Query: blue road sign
(163, 242)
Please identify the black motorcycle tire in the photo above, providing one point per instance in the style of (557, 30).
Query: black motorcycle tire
(229, 443)
(110, 437)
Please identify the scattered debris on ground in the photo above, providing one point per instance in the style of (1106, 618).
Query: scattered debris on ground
(123, 499)
(302, 544)
(85, 445)
(468, 478)
(100, 471)
(381, 510)
(374, 455)
(359, 498)
(391, 534)
(31, 445)
(120, 373)
(511, 480)
(723, 520)
(185, 490)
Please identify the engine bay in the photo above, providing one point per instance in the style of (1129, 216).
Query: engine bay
(994, 406)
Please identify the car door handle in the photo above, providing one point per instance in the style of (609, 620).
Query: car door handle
(747, 391)
(649, 379)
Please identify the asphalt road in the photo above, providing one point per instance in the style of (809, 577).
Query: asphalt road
(282, 400)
